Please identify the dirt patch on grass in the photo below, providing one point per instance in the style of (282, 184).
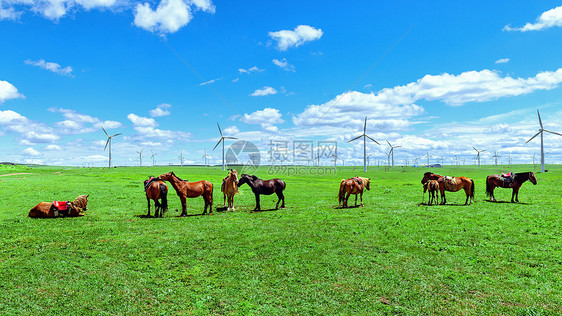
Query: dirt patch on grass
(13, 174)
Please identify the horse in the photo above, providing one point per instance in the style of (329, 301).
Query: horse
(495, 180)
(186, 189)
(229, 188)
(432, 186)
(265, 187)
(353, 186)
(452, 184)
(156, 189)
(60, 209)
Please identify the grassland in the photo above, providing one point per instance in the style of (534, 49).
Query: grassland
(392, 256)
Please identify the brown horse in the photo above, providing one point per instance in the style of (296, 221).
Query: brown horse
(265, 187)
(452, 184)
(156, 189)
(495, 180)
(229, 188)
(186, 189)
(68, 209)
(432, 186)
(353, 186)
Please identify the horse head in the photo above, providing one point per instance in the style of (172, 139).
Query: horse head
(81, 202)
(429, 176)
(367, 183)
(233, 174)
(532, 178)
(244, 178)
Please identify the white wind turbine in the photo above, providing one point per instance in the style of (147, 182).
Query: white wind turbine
(478, 154)
(222, 140)
(496, 156)
(108, 142)
(205, 156)
(181, 158)
(153, 154)
(392, 151)
(140, 157)
(365, 136)
(541, 130)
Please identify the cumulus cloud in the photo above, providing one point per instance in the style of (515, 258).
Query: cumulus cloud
(50, 9)
(79, 123)
(160, 110)
(50, 66)
(502, 61)
(141, 121)
(283, 64)
(266, 118)
(231, 130)
(301, 34)
(170, 15)
(8, 91)
(249, 70)
(8, 13)
(31, 152)
(31, 132)
(547, 19)
(264, 91)
(53, 147)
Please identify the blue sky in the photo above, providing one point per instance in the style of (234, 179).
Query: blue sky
(436, 77)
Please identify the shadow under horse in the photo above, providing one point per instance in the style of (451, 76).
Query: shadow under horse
(186, 189)
(265, 187)
(496, 180)
(454, 185)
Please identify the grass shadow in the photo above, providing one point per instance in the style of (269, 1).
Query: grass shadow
(509, 202)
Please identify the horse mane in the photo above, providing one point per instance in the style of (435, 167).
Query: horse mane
(81, 201)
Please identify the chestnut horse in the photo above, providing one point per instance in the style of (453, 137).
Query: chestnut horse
(353, 186)
(156, 189)
(455, 185)
(495, 180)
(229, 188)
(432, 186)
(49, 210)
(186, 189)
(265, 187)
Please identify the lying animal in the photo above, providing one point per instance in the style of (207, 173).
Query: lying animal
(60, 208)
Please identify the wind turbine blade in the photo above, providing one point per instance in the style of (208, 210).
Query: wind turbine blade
(229, 137)
(537, 134)
(474, 148)
(220, 131)
(220, 140)
(107, 142)
(483, 150)
(354, 138)
(552, 132)
(397, 146)
(116, 134)
(372, 139)
(540, 121)
(104, 131)
(389, 143)
(365, 126)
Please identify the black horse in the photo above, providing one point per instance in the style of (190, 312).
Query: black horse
(495, 180)
(265, 187)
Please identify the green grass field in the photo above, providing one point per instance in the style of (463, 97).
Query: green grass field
(390, 257)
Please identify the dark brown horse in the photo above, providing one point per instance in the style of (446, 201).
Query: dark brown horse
(186, 189)
(452, 184)
(495, 180)
(265, 187)
(155, 190)
(353, 186)
(69, 209)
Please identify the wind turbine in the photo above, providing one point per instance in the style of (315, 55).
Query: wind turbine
(153, 154)
(205, 156)
(496, 156)
(140, 157)
(222, 140)
(427, 156)
(392, 151)
(108, 142)
(365, 136)
(541, 130)
(181, 158)
(534, 161)
(335, 156)
(478, 155)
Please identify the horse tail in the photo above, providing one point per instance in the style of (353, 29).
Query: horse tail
(488, 187)
(164, 196)
(472, 189)
(342, 191)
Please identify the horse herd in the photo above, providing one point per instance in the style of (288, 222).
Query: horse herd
(156, 189)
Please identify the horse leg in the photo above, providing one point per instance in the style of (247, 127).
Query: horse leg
(257, 208)
(224, 200)
(355, 200)
(362, 199)
(512, 195)
(148, 201)
(156, 208)
(183, 206)
(347, 194)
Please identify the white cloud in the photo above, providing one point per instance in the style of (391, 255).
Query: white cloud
(53, 67)
(51, 9)
(264, 91)
(160, 110)
(170, 15)
(209, 82)
(10, 117)
(502, 61)
(31, 152)
(249, 70)
(547, 19)
(300, 35)
(151, 132)
(78, 123)
(108, 124)
(266, 118)
(53, 147)
(9, 13)
(8, 91)
(231, 130)
(141, 121)
(283, 64)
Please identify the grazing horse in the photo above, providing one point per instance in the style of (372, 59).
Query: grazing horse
(229, 188)
(60, 209)
(156, 189)
(265, 187)
(186, 189)
(353, 186)
(452, 184)
(495, 180)
(432, 186)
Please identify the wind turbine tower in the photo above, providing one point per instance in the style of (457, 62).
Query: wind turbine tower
(222, 140)
(478, 154)
(541, 130)
(392, 151)
(140, 157)
(108, 142)
(365, 136)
